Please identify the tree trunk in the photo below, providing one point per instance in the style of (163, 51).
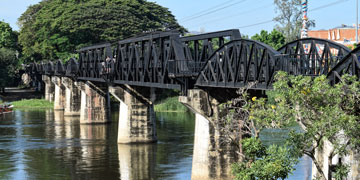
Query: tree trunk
(318, 167)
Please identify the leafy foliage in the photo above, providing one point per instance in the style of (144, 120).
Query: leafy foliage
(8, 66)
(8, 37)
(242, 130)
(54, 29)
(274, 39)
(264, 163)
(325, 112)
(8, 55)
(170, 104)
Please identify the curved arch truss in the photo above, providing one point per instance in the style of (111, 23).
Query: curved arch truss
(240, 62)
(48, 68)
(348, 65)
(59, 69)
(312, 56)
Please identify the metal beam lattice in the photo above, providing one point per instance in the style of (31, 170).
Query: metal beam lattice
(312, 56)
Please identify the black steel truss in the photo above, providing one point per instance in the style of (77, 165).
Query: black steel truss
(144, 61)
(240, 62)
(348, 65)
(313, 56)
(200, 47)
(219, 60)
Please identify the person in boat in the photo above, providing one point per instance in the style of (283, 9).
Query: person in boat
(6, 108)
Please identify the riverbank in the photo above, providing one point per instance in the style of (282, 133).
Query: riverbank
(33, 104)
(29, 98)
(25, 98)
(170, 104)
(15, 94)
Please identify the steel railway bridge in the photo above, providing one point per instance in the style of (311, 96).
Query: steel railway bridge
(212, 60)
(206, 68)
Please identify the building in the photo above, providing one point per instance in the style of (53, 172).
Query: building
(343, 34)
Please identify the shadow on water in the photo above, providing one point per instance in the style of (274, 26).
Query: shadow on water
(45, 144)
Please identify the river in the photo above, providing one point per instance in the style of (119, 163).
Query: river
(43, 144)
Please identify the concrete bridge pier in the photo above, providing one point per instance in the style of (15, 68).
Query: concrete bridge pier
(72, 97)
(137, 122)
(211, 158)
(95, 103)
(49, 88)
(59, 100)
(323, 153)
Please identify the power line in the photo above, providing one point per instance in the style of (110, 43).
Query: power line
(268, 21)
(315, 9)
(237, 14)
(215, 10)
(203, 11)
(256, 24)
(328, 5)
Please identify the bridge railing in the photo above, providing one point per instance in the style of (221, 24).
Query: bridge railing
(306, 64)
(184, 68)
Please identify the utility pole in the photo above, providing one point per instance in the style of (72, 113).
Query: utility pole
(304, 30)
(357, 21)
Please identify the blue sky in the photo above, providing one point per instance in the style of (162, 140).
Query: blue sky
(224, 14)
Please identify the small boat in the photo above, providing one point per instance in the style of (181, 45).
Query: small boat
(6, 108)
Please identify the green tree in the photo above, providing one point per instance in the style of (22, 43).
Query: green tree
(245, 36)
(8, 37)
(266, 163)
(326, 114)
(8, 55)
(242, 131)
(8, 67)
(289, 18)
(55, 29)
(274, 39)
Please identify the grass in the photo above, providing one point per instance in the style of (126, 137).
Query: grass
(33, 104)
(170, 104)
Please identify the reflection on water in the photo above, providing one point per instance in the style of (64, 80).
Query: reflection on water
(137, 161)
(44, 144)
(277, 136)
